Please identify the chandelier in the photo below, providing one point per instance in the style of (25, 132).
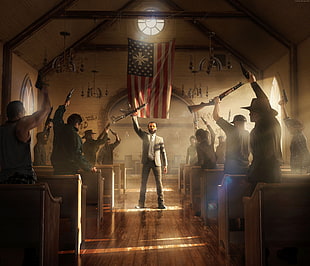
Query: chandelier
(94, 91)
(207, 63)
(65, 62)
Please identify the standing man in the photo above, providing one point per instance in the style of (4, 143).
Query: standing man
(237, 141)
(105, 155)
(191, 152)
(153, 157)
(67, 156)
(265, 138)
(91, 145)
(15, 154)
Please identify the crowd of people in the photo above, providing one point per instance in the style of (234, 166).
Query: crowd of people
(257, 153)
(70, 155)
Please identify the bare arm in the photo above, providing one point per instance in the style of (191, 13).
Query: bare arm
(104, 133)
(216, 109)
(260, 94)
(29, 122)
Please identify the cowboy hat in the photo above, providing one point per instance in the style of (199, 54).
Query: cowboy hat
(260, 106)
(88, 132)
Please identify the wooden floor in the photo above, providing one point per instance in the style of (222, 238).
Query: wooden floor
(150, 236)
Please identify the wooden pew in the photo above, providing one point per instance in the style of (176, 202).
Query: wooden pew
(108, 174)
(231, 210)
(195, 172)
(29, 218)
(181, 181)
(73, 209)
(277, 216)
(209, 182)
(123, 177)
(43, 170)
(186, 177)
(230, 213)
(95, 191)
(117, 179)
(289, 177)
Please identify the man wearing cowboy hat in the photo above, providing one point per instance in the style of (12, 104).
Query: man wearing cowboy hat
(237, 141)
(91, 145)
(265, 138)
(105, 154)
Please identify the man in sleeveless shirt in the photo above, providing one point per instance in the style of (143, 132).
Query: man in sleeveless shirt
(15, 153)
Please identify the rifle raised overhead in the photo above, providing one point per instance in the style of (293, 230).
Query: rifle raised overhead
(127, 113)
(197, 107)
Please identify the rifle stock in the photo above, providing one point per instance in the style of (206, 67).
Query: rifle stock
(197, 107)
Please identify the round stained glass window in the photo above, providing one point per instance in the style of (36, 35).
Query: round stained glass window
(151, 26)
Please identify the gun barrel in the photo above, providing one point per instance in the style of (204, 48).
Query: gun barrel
(197, 107)
(284, 96)
(69, 95)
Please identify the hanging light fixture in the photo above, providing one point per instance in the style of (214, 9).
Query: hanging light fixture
(211, 61)
(65, 62)
(93, 91)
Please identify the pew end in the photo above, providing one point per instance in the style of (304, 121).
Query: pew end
(230, 213)
(73, 209)
(29, 219)
(277, 216)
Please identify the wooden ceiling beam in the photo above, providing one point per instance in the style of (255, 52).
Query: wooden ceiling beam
(95, 14)
(206, 31)
(87, 37)
(124, 47)
(39, 23)
(254, 18)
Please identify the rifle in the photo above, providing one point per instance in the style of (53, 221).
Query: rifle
(204, 121)
(197, 107)
(284, 96)
(39, 82)
(244, 71)
(127, 113)
(47, 121)
(69, 95)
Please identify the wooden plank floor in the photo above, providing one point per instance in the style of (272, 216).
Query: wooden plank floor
(150, 236)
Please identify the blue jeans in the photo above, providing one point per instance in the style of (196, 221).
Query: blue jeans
(158, 179)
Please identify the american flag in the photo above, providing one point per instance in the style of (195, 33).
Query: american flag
(149, 77)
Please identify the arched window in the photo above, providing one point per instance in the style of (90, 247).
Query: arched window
(26, 95)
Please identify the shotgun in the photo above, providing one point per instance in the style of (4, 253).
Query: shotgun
(197, 107)
(127, 113)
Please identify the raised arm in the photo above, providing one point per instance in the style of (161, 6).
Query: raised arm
(104, 133)
(212, 133)
(260, 94)
(136, 126)
(216, 109)
(29, 122)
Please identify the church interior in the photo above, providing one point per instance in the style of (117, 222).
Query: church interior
(82, 47)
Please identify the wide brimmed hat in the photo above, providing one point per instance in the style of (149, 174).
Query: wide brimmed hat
(260, 106)
(87, 133)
